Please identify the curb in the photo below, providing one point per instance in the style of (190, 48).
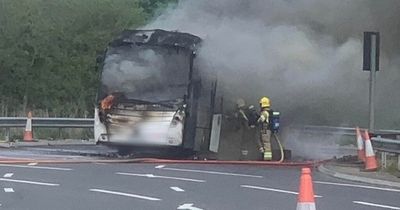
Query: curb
(324, 170)
(43, 143)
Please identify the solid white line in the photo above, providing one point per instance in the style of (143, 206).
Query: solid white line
(32, 164)
(28, 182)
(8, 190)
(274, 190)
(358, 186)
(376, 205)
(161, 177)
(211, 172)
(36, 167)
(160, 166)
(177, 189)
(125, 194)
(8, 175)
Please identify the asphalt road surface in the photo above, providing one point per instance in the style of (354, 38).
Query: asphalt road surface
(177, 186)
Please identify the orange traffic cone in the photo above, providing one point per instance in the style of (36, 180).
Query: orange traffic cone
(370, 160)
(306, 192)
(28, 129)
(360, 146)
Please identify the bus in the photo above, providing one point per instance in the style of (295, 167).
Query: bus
(152, 94)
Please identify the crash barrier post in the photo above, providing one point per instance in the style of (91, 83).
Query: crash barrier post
(398, 162)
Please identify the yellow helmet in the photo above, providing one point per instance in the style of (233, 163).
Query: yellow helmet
(265, 102)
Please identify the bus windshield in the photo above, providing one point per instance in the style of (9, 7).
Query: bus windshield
(146, 73)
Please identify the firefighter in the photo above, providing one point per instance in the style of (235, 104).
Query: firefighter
(242, 126)
(252, 131)
(264, 123)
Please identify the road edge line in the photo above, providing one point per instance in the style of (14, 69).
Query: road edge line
(167, 161)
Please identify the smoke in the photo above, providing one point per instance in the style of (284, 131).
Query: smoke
(148, 82)
(306, 55)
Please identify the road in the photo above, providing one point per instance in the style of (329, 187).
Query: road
(173, 186)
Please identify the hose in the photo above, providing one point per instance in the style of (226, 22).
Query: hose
(280, 148)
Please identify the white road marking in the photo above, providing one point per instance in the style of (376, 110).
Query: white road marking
(160, 166)
(8, 190)
(125, 194)
(28, 182)
(161, 177)
(188, 206)
(32, 164)
(211, 172)
(8, 175)
(376, 205)
(36, 167)
(274, 190)
(358, 186)
(177, 189)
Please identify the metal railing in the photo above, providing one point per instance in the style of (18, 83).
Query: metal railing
(45, 122)
(341, 130)
(14, 122)
(386, 141)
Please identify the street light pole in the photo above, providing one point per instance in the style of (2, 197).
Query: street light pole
(372, 79)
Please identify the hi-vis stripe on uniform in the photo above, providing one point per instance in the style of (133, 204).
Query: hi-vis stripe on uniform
(264, 117)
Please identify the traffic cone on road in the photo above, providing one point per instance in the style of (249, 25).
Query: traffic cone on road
(28, 128)
(306, 199)
(370, 160)
(360, 146)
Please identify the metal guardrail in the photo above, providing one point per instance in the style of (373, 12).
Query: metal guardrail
(342, 130)
(13, 122)
(327, 130)
(386, 145)
(383, 144)
(386, 141)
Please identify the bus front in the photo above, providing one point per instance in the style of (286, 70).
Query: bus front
(145, 84)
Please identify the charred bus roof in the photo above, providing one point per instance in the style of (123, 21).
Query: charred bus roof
(157, 37)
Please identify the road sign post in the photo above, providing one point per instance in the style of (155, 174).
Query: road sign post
(371, 64)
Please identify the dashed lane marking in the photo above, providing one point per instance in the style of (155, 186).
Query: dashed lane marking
(160, 166)
(32, 164)
(8, 190)
(160, 177)
(36, 167)
(358, 186)
(177, 189)
(126, 194)
(28, 182)
(8, 175)
(376, 205)
(274, 190)
(188, 206)
(211, 172)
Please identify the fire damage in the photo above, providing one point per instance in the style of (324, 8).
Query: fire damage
(151, 93)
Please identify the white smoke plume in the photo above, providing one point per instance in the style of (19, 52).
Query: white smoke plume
(306, 55)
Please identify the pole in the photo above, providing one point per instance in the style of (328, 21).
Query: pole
(372, 78)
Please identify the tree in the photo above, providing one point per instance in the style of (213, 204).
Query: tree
(48, 50)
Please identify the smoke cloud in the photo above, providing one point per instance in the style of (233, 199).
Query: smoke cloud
(306, 55)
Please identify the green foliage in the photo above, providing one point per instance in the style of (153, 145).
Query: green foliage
(153, 7)
(48, 50)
